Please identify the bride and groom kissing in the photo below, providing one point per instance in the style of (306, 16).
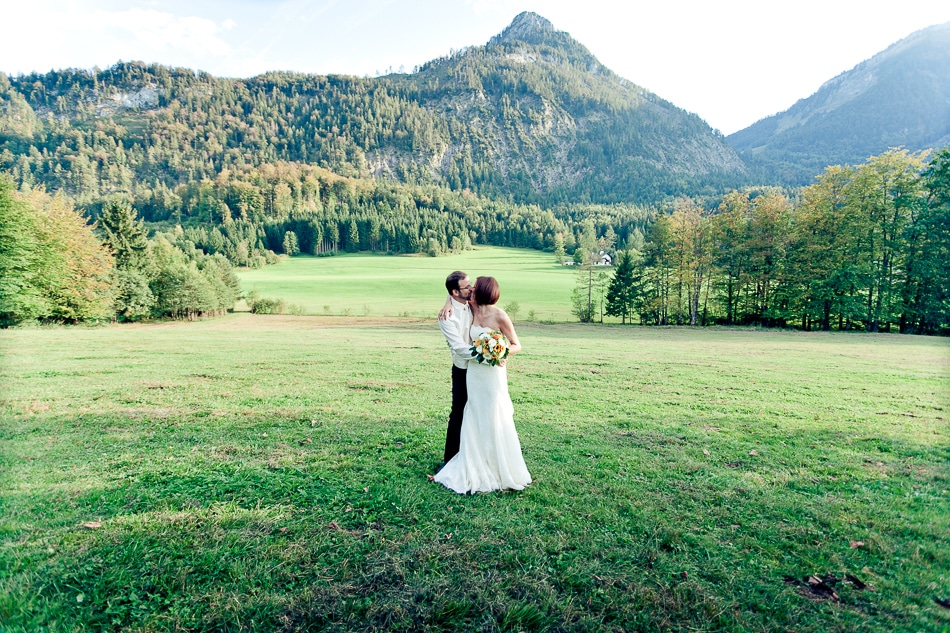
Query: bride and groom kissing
(482, 450)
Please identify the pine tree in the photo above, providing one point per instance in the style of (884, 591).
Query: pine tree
(353, 237)
(559, 247)
(125, 234)
(291, 245)
(928, 302)
(623, 292)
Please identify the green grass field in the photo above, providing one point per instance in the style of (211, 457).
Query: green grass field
(381, 286)
(257, 473)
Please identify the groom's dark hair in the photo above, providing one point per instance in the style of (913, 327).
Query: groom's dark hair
(452, 281)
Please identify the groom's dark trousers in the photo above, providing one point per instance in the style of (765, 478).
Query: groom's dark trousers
(459, 398)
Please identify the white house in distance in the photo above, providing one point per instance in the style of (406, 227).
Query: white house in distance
(603, 259)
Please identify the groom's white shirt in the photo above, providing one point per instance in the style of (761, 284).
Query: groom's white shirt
(456, 331)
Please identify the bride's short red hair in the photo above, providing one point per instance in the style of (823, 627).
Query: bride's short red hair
(487, 291)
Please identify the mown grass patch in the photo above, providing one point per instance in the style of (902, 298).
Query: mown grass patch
(269, 473)
(363, 284)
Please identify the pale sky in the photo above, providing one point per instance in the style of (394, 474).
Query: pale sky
(732, 62)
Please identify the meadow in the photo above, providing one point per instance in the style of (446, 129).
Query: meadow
(270, 473)
(362, 284)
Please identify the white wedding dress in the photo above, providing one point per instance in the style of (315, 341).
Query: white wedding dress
(489, 456)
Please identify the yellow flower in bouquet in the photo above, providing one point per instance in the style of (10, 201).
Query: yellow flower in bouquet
(490, 348)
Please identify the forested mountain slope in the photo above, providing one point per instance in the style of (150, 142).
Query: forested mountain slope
(898, 98)
(531, 116)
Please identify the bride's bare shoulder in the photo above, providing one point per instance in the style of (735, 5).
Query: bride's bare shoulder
(493, 317)
(498, 314)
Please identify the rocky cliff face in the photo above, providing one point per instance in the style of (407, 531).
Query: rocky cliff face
(527, 27)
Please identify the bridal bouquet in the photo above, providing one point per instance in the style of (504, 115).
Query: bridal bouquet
(490, 348)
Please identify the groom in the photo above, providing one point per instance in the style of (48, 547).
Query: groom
(455, 327)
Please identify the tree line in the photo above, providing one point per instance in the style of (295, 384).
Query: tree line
(148, 259)
(864, 248)
(289, 208)
(56, 267)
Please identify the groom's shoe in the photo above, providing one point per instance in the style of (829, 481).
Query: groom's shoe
(438, 468)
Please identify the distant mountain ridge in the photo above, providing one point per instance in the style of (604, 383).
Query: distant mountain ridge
(899, 97)
(531, 116)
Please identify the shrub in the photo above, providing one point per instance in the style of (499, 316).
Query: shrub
(268, 306)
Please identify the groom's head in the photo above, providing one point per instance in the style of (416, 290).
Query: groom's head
(458, 285)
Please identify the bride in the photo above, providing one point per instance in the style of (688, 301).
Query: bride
(489, 456)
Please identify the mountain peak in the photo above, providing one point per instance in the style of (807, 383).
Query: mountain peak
(898, 97)
(526, 27)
